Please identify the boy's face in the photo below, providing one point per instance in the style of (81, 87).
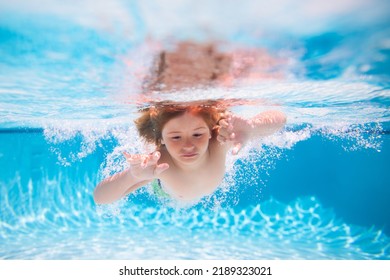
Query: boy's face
(186, 138)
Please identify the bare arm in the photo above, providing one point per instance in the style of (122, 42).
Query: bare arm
(266, 123)
(143, 169)
(116, 187)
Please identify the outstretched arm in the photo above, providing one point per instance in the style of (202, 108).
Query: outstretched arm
(143, 169)
(238, 131)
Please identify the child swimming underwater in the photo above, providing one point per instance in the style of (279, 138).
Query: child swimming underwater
(191, 139)
(192, 142)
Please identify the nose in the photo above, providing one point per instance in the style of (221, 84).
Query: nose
(188, 144)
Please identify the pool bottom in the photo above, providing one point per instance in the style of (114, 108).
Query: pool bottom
(271, 230)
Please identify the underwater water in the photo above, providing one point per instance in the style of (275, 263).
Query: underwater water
(70, 79)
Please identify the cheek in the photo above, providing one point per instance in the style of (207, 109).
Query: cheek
(172, 146)
(204, 142)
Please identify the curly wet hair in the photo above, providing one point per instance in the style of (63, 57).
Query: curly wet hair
(153, 118)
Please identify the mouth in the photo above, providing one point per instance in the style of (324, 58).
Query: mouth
(190, 155)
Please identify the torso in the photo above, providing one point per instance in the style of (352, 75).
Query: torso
(193, 185)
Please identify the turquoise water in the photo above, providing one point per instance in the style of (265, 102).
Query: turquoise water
(319, 189)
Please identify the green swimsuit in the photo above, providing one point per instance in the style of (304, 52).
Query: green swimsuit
(158, 190)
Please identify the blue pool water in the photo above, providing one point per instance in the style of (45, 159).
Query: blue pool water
(319, 189)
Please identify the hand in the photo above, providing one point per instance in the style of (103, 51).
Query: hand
(234, 129)
(145, 167)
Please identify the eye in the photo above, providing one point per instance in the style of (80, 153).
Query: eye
(175, 138)
(198, 135)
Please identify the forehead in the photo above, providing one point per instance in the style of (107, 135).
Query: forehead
(184, 122)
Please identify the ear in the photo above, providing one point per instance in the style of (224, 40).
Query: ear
(162, 142)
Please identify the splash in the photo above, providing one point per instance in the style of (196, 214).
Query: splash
(258, 157)
(356, 137)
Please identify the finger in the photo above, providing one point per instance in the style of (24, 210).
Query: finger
(127, 155)
(156, 155)
(153, 158)
(227, 125)
(133, 159)
(221, 139)
(143, 160)
(130, 156)
(224, 133)
(223, 123)
(226, 115)
(237, 147)
(227, 135)
(161, 168)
